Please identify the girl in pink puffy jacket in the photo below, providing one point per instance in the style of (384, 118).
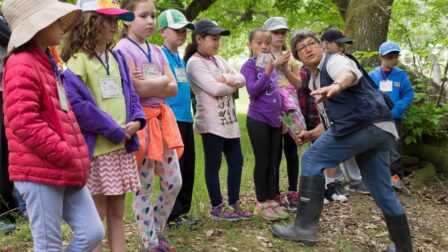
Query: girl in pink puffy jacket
(48, 159)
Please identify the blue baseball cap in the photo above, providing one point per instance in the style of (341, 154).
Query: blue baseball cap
(388, 47)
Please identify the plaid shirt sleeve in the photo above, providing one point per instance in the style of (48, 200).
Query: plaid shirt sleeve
(307, 102)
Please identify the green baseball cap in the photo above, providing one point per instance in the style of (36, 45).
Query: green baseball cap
(173, 19)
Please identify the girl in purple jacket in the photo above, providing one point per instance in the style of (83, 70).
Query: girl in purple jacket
(263, 122)
(107, 109)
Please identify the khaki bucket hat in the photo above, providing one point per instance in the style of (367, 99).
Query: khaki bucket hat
(26, 18)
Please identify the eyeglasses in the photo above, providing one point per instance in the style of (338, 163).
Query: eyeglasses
(310, 44)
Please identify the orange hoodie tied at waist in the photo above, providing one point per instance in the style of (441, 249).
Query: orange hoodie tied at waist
(161, 130)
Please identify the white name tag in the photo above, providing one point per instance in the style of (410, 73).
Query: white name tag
(150, 71)
(62, 97)
(180, 74)
(386, 85)
(110, 87)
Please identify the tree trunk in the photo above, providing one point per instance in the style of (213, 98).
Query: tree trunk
(434, 154)
(367, 24)
(424, 175)
(342, 7)
(409, 160)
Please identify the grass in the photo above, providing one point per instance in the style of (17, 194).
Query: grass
(353, 226)
(22, 239)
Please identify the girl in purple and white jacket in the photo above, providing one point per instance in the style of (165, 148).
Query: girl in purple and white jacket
(263, 124)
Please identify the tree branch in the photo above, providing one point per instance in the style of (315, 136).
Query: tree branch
(196, 7)
(443, 85)
(248, 14)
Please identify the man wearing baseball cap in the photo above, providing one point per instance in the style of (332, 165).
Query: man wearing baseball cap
(395, 83)
(173, 27)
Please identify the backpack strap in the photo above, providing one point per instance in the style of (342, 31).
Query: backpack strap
(390, 103)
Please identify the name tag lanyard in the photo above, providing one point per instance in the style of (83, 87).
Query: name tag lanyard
(174, 56)
(61, 91)
(384, 74)
(56, 70)
(147, 54)
(213, 59)
(105, 65)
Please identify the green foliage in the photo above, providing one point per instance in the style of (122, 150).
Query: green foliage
(288, 120)
(364, 55)
(425, 117)
(420, 27)
(241, 16)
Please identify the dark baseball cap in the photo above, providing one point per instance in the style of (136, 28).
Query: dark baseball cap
(207, 26)
(335, 35)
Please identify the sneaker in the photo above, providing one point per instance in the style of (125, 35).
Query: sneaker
(292, 199)
(25, 215)
(157, 248)
(279, 199)
(396, 182)
(222, 212)
(6, 228)
(154, 249)
(340, 190)
(332, 195)
(279, 210)
(266, 212)
(190, 223)
(244, 215)
(359, 188)
(164, 243)
(326, 202)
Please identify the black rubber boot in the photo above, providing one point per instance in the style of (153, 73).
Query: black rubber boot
(399, 233)
(310, 204)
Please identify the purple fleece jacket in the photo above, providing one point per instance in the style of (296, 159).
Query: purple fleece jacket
(94, 121)
(265, 104)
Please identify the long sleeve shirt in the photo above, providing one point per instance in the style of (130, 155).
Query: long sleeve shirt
(215, 109)
(265, 103)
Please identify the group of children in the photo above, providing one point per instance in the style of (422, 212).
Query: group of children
(119, 115)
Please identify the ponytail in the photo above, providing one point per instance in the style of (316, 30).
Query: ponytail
(124, 31)
(191, 49)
